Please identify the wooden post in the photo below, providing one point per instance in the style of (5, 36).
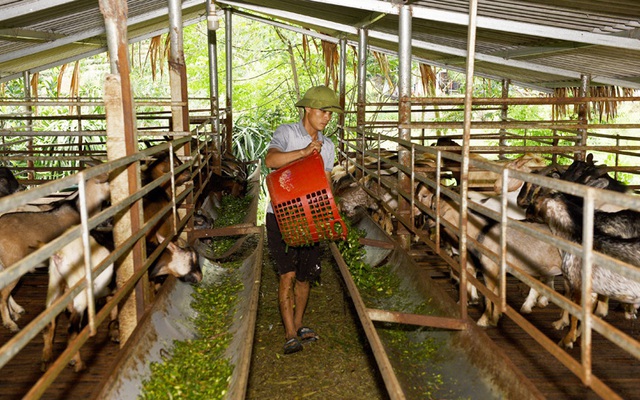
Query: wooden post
(121, 141)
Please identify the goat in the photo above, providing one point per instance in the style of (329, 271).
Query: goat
(525, 163)
(618, 222)
(21, 233)
(482, 178)
(565, 220)
(8, 182)
(175, 260)
(66, 269)
(353, 197)
(585, 171)
(161, 165)
(523, 251)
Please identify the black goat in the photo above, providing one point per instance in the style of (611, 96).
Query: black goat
(8, 182)
(565, 220)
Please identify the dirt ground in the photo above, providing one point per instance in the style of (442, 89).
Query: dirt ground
(338, 366)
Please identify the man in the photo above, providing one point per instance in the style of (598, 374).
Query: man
(298, 266)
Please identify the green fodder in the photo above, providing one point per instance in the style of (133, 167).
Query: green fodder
(197, 368)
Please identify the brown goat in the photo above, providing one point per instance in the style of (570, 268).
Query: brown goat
(182, 262)
(22, 233)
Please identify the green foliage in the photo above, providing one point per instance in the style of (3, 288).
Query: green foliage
(232, 212)
(367, 279)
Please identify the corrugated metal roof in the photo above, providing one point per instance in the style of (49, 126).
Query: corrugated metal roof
(38, 34)
(536, 43)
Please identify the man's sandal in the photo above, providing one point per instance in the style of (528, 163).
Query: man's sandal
(307, 335)
(292, 345)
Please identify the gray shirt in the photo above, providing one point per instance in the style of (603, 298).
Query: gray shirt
(291, 137)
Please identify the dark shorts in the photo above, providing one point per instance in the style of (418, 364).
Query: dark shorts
(304, 260)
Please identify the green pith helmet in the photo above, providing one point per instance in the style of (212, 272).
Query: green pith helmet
(321, 97)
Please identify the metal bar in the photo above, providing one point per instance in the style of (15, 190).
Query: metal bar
(404, 112)
(587, 284)
(362, 92)
(503, 240)
(464, 175)
(88, 264)
(383, 244)
(228, 107)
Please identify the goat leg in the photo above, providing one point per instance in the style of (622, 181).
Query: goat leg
(75, 321)
(572, 335)
(630, 311)
(114, 324)
(48, 334)
(543, 300)
(5, 312)
(564, 321)
(601, 306)
(15, 309)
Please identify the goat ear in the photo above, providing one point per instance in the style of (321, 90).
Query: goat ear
(590, 158)
(172, 247)
(160, 237)
(102, 178)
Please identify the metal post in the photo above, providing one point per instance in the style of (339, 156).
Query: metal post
(27, 95)
(404, 116)
(229, 94)
(177, 70)
(466, 135)
(213, 72)
(179, 97)
(583, 116)
(362, 94)
(342, 93)
(504, 114)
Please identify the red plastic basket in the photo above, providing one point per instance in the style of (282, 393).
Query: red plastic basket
(303, 203)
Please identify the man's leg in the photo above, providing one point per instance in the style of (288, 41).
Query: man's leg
(301, 291)
(286, 299)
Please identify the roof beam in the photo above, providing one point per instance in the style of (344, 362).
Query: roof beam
(286, 15)
(20, 8)
(96, 51)
(82, 37)
(28, 35)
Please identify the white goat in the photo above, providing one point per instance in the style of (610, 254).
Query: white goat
(525, 163)
(21, 233)
(66, 269)
(178, 261)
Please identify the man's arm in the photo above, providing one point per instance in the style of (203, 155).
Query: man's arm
(276, 158)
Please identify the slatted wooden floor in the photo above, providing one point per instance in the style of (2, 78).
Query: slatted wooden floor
(617, 369)
(23, 370)
(612, 365)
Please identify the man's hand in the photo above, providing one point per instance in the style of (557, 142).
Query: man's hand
(314, 145)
